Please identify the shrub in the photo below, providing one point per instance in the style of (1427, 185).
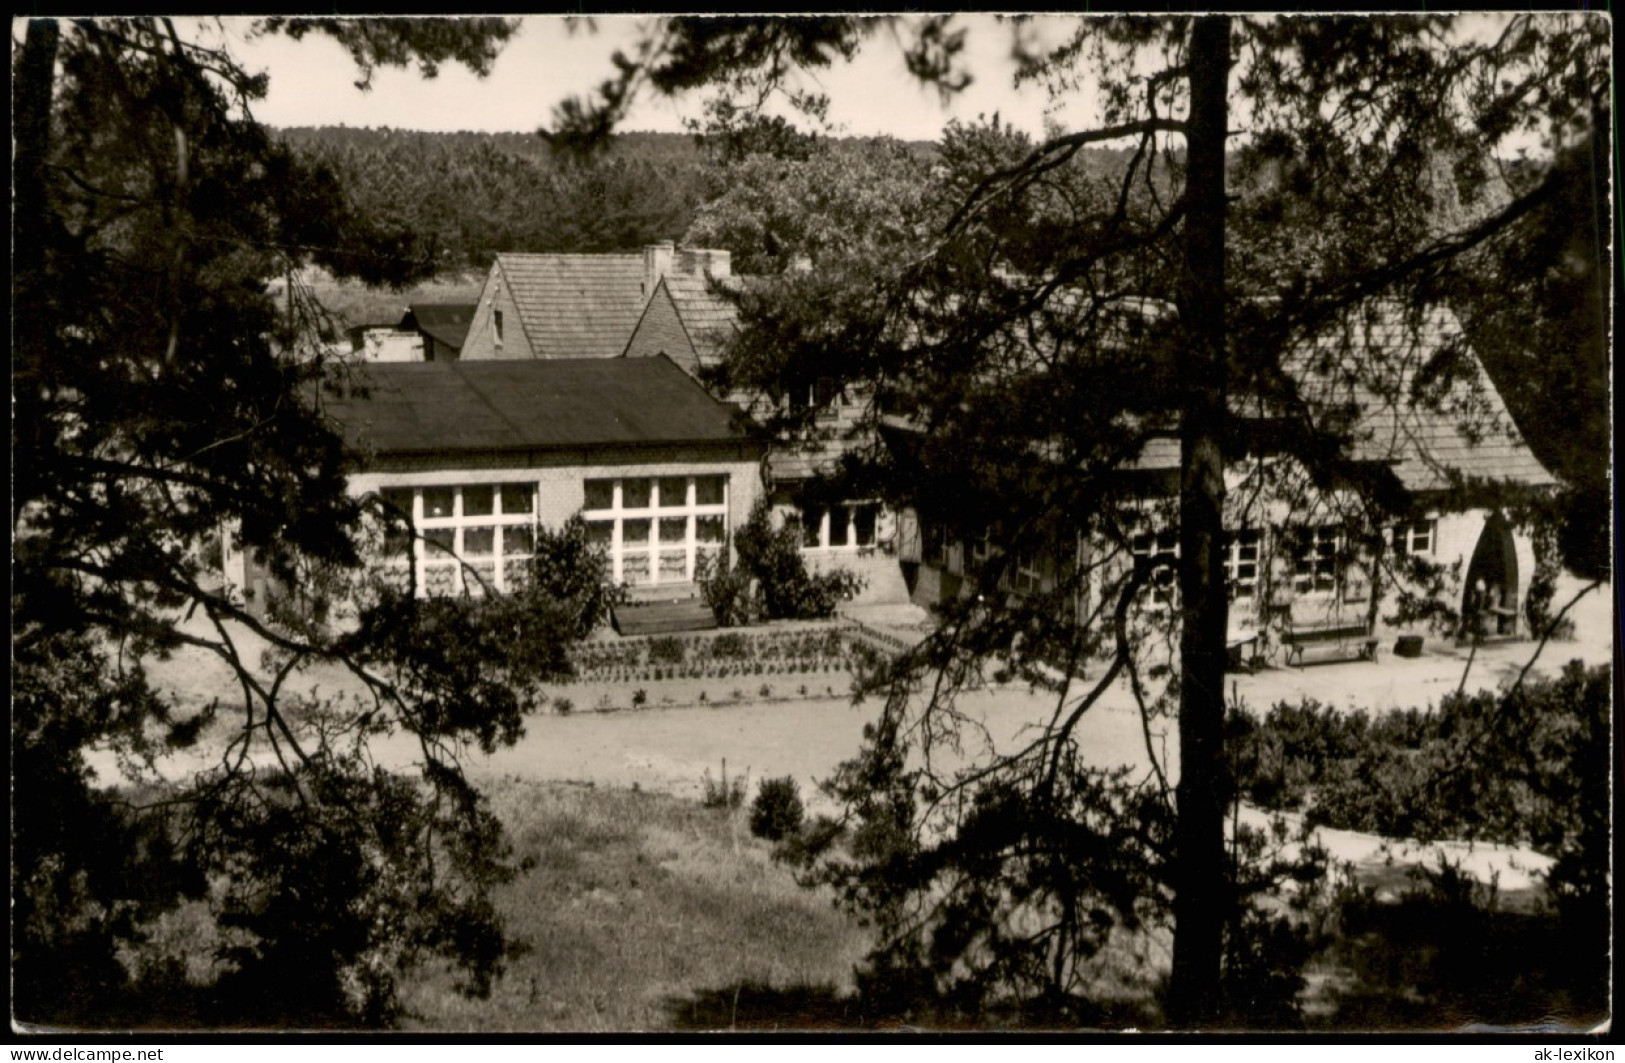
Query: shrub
(569, 570)
(771, 558)
(776, 813)
(563, 706)
(1527, 767)
(640, 698)
(724, 588)
(729, 794)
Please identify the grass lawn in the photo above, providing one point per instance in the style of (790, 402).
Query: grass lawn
(642, 911)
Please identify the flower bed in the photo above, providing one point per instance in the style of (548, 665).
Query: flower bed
(721, 655)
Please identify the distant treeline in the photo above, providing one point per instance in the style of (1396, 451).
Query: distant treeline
(465, 197)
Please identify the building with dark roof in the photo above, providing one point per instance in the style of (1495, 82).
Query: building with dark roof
(481, 454)
(1427, 438)
(441, 328)
(576, 306)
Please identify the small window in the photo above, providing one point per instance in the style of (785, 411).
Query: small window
(496, 325)
(839, 526)
(1413, 538)
(1159, 551)
(1241, 563)
(812, 527)
(1028, 577)
(864, 518)
(1315, 562)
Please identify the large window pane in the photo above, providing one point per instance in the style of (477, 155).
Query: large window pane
(479, 542)
(635, 494)
(864, 517)
(477, 500)
(438, 541)
(437, 502)
(673, 565)
(674, 529)
(600, 494)
(601, 532)
(518, 498)
(636, 532)
(673, 492)
(521, 539)
(710, 529)
(708, 490)
(635, 568)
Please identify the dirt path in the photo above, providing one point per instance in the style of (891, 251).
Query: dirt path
(671, 747)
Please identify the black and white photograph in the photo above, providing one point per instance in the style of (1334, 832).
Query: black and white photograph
(856, 524)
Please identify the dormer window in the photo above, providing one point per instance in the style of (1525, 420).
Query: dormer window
(823, 397)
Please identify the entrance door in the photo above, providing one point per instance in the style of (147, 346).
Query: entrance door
(1490, 601)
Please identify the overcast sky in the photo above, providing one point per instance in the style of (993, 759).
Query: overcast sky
(312, 83)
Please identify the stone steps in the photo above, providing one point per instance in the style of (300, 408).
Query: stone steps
(663, 618)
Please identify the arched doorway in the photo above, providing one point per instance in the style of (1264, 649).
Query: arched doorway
(1490, 601)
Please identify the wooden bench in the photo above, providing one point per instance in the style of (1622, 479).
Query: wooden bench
(1352, 640)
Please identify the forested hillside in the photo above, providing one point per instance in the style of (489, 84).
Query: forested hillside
(467, 196)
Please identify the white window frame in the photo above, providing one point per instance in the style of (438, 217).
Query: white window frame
(1242, 585)
(688, 509)
(432, 557)
(1026, 575)
(849, 510)
(1154, 545)
(1415, 538)
(1317, 559)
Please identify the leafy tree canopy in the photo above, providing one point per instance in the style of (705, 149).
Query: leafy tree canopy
(163, 398)
(1285, 189)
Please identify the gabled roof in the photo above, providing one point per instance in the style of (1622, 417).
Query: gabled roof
(575, 306)
(1423, 404)
(708, 315)
(529, 405)
(445, 323)
(1428, 408)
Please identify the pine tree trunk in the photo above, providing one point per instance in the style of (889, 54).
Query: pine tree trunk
(31, 115)
(1199, 873)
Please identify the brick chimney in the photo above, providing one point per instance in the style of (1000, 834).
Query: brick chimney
(703, 261)
(656, 264)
